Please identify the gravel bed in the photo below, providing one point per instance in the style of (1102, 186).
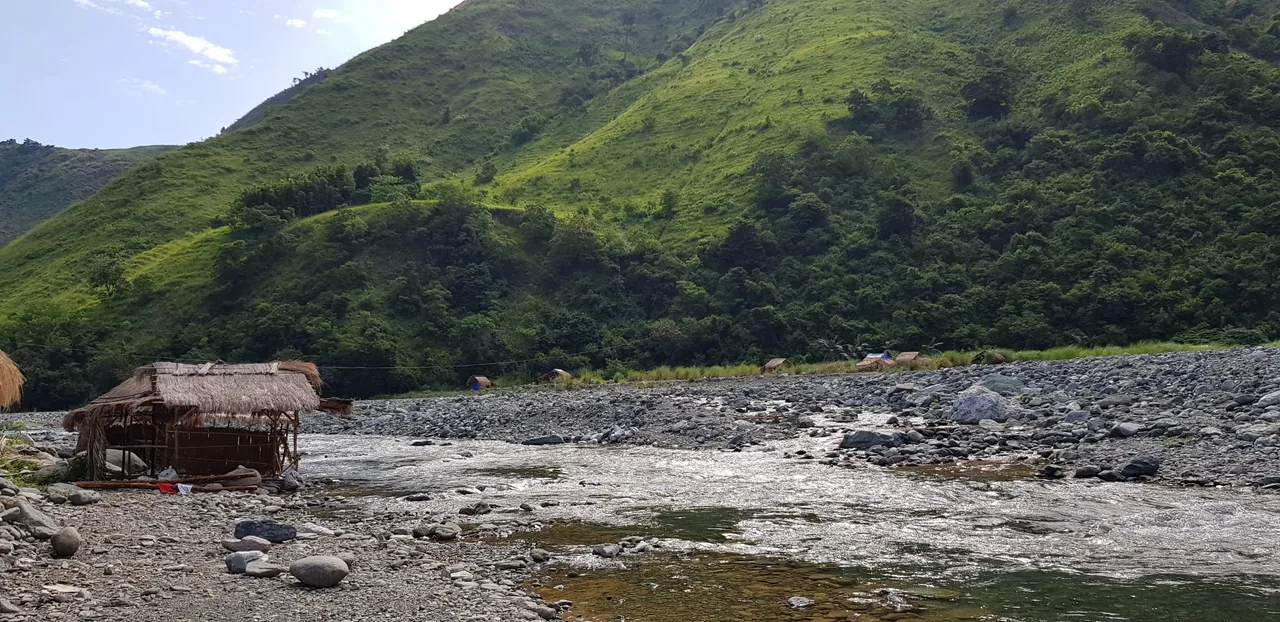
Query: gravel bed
(1204, 418)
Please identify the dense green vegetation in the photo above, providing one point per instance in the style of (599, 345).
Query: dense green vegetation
(38, 181)
(627, 184)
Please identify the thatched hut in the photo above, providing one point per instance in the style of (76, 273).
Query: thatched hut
(774, 366)
(912, 360)
(198, 419)
(476, 383)
(555, 375)
(11, 381)
(875, 362)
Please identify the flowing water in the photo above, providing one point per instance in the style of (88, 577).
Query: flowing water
(743, 532)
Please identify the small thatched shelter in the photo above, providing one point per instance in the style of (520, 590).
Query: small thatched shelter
(476, 383)
(555, 375)
(199, 419)
(874, 362)
(912, 360)
(775, 365)
(11, 381)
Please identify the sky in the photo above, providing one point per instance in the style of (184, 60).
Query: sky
(124, 73)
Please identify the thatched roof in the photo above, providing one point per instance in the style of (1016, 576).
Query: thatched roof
(554, 375)
(212, 394)
(479, 381)
(774, 364)
(11, 381)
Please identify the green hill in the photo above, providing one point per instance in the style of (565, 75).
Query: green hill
(631, 183)
(38, 181)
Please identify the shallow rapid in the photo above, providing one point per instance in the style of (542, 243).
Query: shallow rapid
(1014, 548)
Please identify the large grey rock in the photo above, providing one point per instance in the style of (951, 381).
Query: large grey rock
(320, 571)
(38, 523)
(247, 543)
(539, 556)
(446, 531)
(66, 542)
(607, 551)
(1126, 429)
(868, 438)
(262, 569)
(238, 562)
(8, 608)
(553, 439)
(1004, 385)
(69, 493)
(799, 602)
(1138, 467)
(977, 403)
(1269, 400)
(118, 458)
(51, 473)
(270, 531)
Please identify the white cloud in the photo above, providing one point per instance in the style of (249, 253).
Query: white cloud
(331, 14)
(197, 45)
(296, 23)
(139, 4)
(89, 4)
(322, 32)
(214, 67)
(139, 88)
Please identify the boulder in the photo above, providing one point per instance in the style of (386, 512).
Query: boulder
(247, 543)
(38, 523)
(1004, 385)
(57, 471)
(799, 602)
(446, 531)
(262, 569)
(321, 571)
(1087, 472)
(553, 439)
(238, 562)
(868, 438)
(607, 551)
(1126, 429)
(66, 542)
(978, 403)
(1139, 467)
(270, 531)
(68, 493)
(117, 458)
(1269, 400)
(539, 556)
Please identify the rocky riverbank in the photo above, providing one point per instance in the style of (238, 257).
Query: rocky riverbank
(1204, 418)
(146, 556)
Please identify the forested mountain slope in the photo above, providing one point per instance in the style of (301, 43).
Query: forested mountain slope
(38, 181)
(623, 183)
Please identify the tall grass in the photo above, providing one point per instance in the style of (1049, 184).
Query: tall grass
(939, 360)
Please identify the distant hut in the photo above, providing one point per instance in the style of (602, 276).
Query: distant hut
(199, 419)
(476, 383)
(874, 362)
(11, 381)
(774, 366)
(555, 375)
(912, 360)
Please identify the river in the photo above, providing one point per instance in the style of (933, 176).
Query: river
(743, 531)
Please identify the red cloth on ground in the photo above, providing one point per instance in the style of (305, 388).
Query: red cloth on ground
(167, 489)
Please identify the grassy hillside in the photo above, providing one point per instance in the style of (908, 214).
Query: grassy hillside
(253, 117)
(38, 181)
(634, 183)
